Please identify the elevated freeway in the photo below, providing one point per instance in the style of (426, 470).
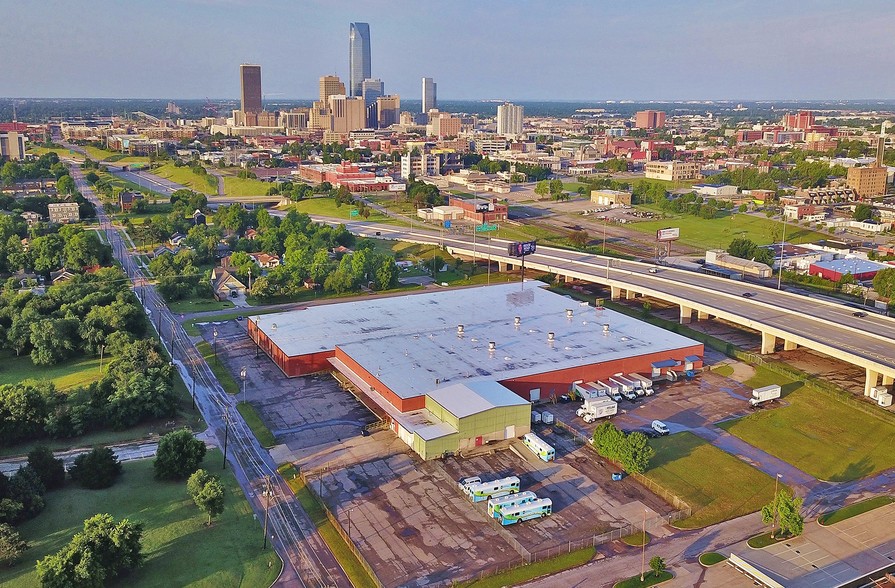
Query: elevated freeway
(781, 317)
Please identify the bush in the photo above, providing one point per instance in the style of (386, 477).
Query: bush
(631, 451)
(97, 469)
(12, 546)
(179, 455)
(50, 469)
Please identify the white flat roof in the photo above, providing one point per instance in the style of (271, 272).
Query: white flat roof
(408, 342)
(472, 397)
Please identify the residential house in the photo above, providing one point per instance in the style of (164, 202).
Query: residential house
(225, 285)
(64, 212)
(60, 276)
(251, 234)
(176, 240)
(127, 199)
(198, 217)
(264, 260)
(31, 217)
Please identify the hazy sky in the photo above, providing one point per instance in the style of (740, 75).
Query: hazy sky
(499, 49)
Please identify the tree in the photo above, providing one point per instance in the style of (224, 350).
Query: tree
(636, 453)
(97, 469)
(863, 212)
(579, 239)
(65, 185)
(50, 469)
(26, 489)
(12, 546)
(207, 492)
(884, 283)
(542, 188)
(657, 565)
(103, 551)
(179, 455)
(556, 187)
(785, 509)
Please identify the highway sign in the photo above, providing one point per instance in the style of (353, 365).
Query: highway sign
(668, 234)
(447, 224)
(522, 249)
(354, 212)
(485, 228)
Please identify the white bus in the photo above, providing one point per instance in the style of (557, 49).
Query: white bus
(535, 509)
(495, 505)
(539, 447)
(485, 490)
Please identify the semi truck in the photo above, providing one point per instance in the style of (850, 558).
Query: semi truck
(597, 408)
(764, 394)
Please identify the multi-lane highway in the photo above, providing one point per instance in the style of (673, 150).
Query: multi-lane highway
(827, 327)
(308, 561)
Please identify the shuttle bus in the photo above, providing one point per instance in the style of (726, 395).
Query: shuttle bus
(539, 447)
(484, 490)
(535, 509)
(496, 505)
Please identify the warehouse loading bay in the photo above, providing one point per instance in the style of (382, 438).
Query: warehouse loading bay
(408, 517)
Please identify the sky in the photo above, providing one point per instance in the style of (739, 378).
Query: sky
(474, 49)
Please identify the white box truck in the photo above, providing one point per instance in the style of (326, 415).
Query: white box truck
(646, 384)
(597, 408)
(764, 394)
(586, 390)
(612, 390)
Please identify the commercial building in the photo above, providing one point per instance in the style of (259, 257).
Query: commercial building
(330, 86)
(443, 367)
(388, 110)
(610, 197)
(64, 212)
(835, 269)
(481, 210)
(250, 88)
(649, 119)
(430, 99)
(419, 165)
(867, 182)
(348, 114)
(371, 90)
(672, 171)
(509, 119)
(720, 258)
(798, 122)
(359, 68)
(715, 190)
(349, 175)
(444, 124)
(12, 145)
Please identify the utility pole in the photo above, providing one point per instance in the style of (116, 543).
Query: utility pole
(173, 330)
(643, 548)
(266, 509)
(226, 433)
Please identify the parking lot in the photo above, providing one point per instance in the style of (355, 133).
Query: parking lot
(682, 405)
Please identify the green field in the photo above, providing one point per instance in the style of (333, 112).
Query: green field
(234, 186)
(717, 485)
(821, 435)
(853, 510)
(711, 558)
(207, 184)
(198, 305)
(78, 371)
(115, 157)
(60, 151)
(719, 232)
(179, 549)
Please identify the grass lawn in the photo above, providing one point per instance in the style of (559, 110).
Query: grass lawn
(719, 232)
(78, 371)
(253, 420)
(234, 186)
(853, 510)
(711, 558)
(716, 484)
(193, 331)
(207, 184)
(97, 154)
(545, 567)
(356, 572)
(724, 371)
(638, 539)
(122, 184)
(327, 207)
(650, 579)
(819, 434)
(220, 371)
(228, 553)
(765, 540)
(198, 305)
(60, 151)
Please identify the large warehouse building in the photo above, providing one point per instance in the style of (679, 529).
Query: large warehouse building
(457, 368)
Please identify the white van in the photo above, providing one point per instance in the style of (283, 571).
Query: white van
(660, 427)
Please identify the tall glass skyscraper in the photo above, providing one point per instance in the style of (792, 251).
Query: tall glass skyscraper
(358, 57)
(429, 98)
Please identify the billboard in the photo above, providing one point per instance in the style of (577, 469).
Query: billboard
(396, 187)
(518, 249)
(484, 207)
(668, 234)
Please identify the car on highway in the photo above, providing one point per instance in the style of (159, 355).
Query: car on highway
(654, 270)
(748, 294)
(859, 314)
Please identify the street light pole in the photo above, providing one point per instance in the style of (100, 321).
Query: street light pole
(266, 509)
(643, 547)
(226, 433)
(215, 339)
(782, 243)
(243, 374)
(776, 505)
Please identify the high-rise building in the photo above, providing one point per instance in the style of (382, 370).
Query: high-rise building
(649, 119)
(389, 110)
(798, 122)
(12, 145)
(371, 90)
(358, 57)
(881, 151)
(250, 83)
(430, 99)
(329, 86)
(509, 119)
(348, 113)
(867, 181)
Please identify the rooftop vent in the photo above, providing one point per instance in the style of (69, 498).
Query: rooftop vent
(459, 330)
(517, 320)
(492, 345)
(569, 312)
(551, 336)
(605, 328)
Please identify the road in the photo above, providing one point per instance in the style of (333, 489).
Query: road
(307, 560)
(124, 452)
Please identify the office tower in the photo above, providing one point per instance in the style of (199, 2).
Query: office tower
(371, 90)
(430, 99)
(388, 109)
(358, 57)
(250, 82)
(329, 86)
(649, 119)
(12, 144)
(509, 119)
(881, 151)
(348, 113)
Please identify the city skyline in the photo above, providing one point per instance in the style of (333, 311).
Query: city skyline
(778, 51)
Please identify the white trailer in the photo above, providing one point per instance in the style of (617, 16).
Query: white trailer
(597, 408)
(547, 418)
(624, 384)
(587, 390)
(535, 416)
(646, 384)
(764, 394)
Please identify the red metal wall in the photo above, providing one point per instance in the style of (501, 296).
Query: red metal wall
(559, 382)
(402, 404)
(291, 366)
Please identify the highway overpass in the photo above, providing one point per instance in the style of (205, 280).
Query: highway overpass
(781, 317)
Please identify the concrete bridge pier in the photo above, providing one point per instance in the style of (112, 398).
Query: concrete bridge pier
(789, 345)
(888, 380)
(615, 292)
(701, 315)
(686, 314)
(568, 279)
(768, 343)
(630, 294)
(871, 382)
(503, 266)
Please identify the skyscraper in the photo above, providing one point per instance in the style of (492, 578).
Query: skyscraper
(250, 85)
(509, 119)
(329, 86)
(371, 90)
(358, 56)
(430, 100)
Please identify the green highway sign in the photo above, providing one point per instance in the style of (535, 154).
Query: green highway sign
(485, 228)
(353, 213)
